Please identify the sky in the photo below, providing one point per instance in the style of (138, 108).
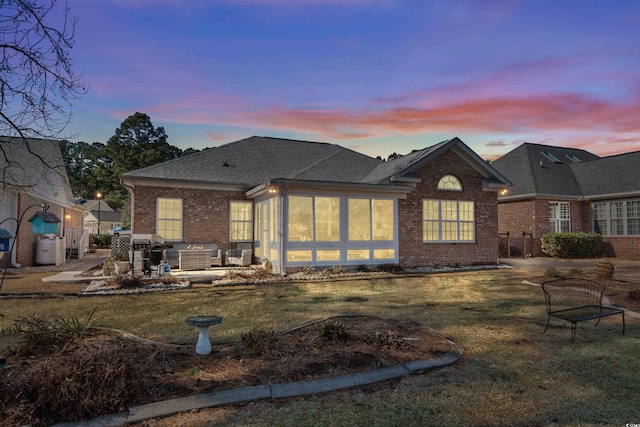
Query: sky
(375, 76)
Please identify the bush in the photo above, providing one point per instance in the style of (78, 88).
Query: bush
(572, 245)
(103, 241)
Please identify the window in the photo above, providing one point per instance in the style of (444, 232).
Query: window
(448, 221)
(382, 219)
(449, 182)
(600, 218)
(359, 219)
(314, 219)
(384, 254)
(328, 254)
(299, 256)
(327, 219)
(619, 218)
(559, 217)
(616, 219)
(370, 219)
(633, 217)
(241, 221)
(358, 254)
(169, 219)
(551, 157)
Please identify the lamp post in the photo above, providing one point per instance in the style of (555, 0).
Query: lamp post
(99, 196)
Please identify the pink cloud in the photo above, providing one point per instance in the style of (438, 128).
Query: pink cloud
(497, 115)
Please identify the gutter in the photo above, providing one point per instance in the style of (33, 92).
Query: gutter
(329, 185)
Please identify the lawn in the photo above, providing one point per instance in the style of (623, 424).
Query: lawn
(511, 374)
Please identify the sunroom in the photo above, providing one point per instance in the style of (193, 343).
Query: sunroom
(302, 223)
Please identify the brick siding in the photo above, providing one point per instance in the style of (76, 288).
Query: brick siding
(413, 251)
(205, 213)
(533, 216)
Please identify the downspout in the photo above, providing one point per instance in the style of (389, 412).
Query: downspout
(130, 189)
(281, 233)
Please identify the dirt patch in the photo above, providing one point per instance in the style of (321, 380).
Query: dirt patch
(105, 373)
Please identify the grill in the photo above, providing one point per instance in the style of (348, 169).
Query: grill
(146, 252)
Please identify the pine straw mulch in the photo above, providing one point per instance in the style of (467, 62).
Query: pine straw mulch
(54, 381)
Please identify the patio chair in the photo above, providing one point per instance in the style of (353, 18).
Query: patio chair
(237, 251)
(243, 260)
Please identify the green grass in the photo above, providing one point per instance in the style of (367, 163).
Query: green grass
(511, 374)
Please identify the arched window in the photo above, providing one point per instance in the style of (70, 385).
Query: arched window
(449, 182)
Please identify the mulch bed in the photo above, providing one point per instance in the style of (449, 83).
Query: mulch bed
(105, 373)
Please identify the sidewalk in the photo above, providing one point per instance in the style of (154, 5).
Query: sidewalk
(70, 272)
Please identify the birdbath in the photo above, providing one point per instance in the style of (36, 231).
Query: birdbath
(203, 347)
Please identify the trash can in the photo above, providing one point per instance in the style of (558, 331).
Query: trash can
(46, 249)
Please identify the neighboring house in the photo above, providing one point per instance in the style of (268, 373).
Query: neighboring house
(304, 203)
(558, 189)
(33, 174)
(109, 219)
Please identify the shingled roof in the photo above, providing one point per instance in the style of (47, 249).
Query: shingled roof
(256, 160)
(544, 170)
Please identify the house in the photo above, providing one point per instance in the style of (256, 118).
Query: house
(307, 203)
(557, 189)
(98, 209)
(33, 177)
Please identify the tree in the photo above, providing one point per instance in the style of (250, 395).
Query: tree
(81, 161)
(136, 144)
(37, 80)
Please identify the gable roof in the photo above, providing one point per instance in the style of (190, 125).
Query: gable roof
(36, 166)
(106, 216)
(93, 205)
(543, 170)
(257, 160)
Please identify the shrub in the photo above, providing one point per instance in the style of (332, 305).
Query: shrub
(103, 241)
(572, 245)
(390, 268)
(333, 330)
(124, 281)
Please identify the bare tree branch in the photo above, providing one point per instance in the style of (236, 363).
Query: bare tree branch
(37, 79)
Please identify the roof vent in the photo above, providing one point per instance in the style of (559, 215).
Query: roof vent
(225, 164)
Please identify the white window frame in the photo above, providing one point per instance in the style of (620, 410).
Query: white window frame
(179, 219)
(441, 221)
(603, 215)
(344, 250)
(561, 216)
(234, 222)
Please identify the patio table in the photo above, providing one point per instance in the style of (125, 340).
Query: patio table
(194, 259)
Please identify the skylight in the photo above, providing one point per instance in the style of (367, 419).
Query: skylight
(551, 157)
(573, 158)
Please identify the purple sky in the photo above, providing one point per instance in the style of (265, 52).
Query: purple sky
(376, 76)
